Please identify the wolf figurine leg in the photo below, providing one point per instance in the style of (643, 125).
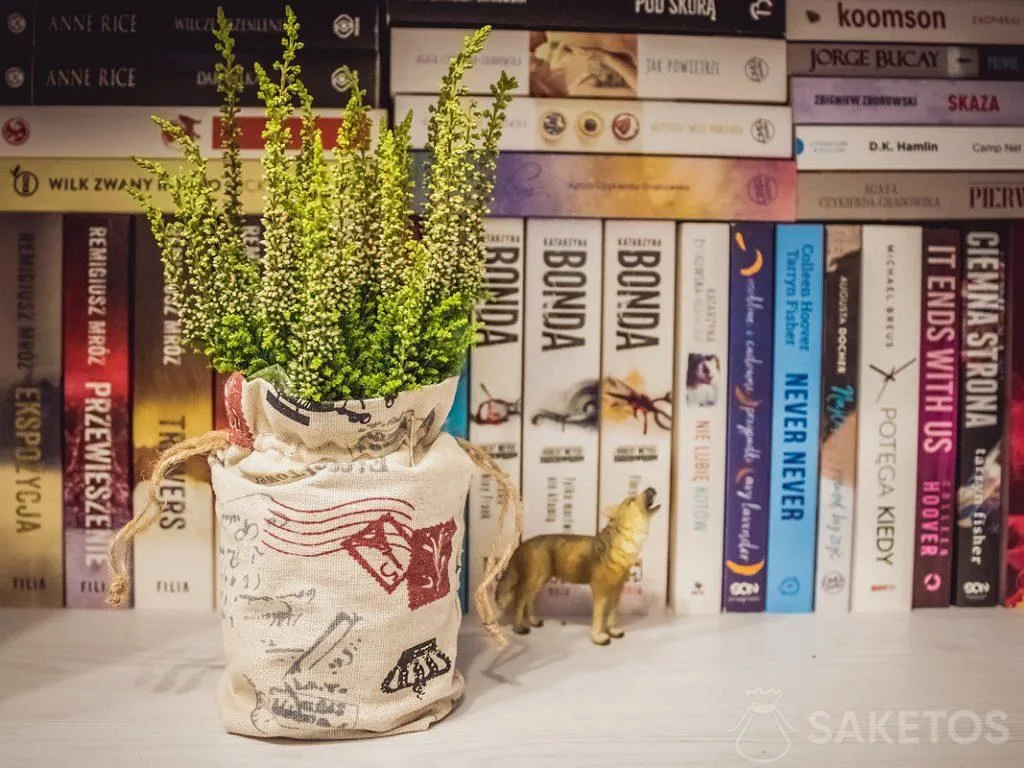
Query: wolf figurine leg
(599, 625)
(530, 584)
(614, 630)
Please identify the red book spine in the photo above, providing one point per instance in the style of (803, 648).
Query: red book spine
(97, 381)
(937, 421)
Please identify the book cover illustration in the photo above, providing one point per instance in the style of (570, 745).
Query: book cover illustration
(839, 403)
(636, 389)
(796, 409)
(700, 412)
(31, 406)
(173, 561)
(890, 355)
(1013, 572)
(937, 445)
(561, 388)
(97, 378)
(748, 469)
(982, 355)
(496, 397)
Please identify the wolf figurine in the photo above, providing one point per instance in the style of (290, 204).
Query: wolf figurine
(602, 561)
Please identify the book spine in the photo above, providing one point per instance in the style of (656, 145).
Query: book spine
(913, 21)
(904, 147)
(457, 425)
(552, 64)
(126, 132)
(170, 403)
(885, 61)
(759, 18)
(840, 402)
(702, 360)
(103, 77)
(534, 185)
(636, 390)
(496, 398)
(982, 411)
(796, 410)
(937, 418)
(856, 196)
(883, 550)
(31, 548)
(97, 435)
(850, 101)
(561, 387)
(748, 471)
(343, 24)
(1013, 570)
(595, 126)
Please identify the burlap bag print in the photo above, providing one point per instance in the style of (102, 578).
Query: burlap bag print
(340, 530)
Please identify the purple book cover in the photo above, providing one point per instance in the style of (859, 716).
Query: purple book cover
(937, 422)
(748, 470)
(878, 101)
(980, 508)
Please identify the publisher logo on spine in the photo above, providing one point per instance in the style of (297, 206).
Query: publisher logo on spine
(345, 26)
(761, 9)
(16, 131)
(338, 80)
(763, 189)
(24, 182)
(14, 77)
(762, 130)
(756, 69)
(16, 23)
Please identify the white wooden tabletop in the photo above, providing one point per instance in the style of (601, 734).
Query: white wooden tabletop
(923, 690)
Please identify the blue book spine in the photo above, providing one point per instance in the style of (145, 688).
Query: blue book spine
(748, 449)
(457, 425)
(796, 416)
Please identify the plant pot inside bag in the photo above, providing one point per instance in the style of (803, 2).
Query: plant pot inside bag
(340, 528)
(339, 500)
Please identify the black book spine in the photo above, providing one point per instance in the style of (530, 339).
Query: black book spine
(980, 509)
(352, 25)
(759, 18)
(184, 78)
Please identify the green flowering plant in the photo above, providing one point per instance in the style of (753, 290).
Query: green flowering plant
(351, 298)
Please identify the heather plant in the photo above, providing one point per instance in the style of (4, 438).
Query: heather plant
(350, 298)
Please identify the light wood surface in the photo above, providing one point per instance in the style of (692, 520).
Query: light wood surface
(110, 689)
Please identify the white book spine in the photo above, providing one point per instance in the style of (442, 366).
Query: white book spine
(908, 148)
(702, 356)
(496, 396)
(561, 388)
(883, 551)
(606, 65)
(113, 132)
(636, 388)
(630, 127)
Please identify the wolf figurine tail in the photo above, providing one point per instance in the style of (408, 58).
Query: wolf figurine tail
(507, 585)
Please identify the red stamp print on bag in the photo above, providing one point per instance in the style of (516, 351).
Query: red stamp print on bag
(428, 569)
(377, 533)
(238, 431)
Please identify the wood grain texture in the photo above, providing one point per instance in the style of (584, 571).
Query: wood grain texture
(88, 689)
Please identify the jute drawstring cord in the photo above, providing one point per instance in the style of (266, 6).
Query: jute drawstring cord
(483, 599)
(120, 547)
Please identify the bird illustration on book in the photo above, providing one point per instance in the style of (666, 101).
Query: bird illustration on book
(603, 561)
